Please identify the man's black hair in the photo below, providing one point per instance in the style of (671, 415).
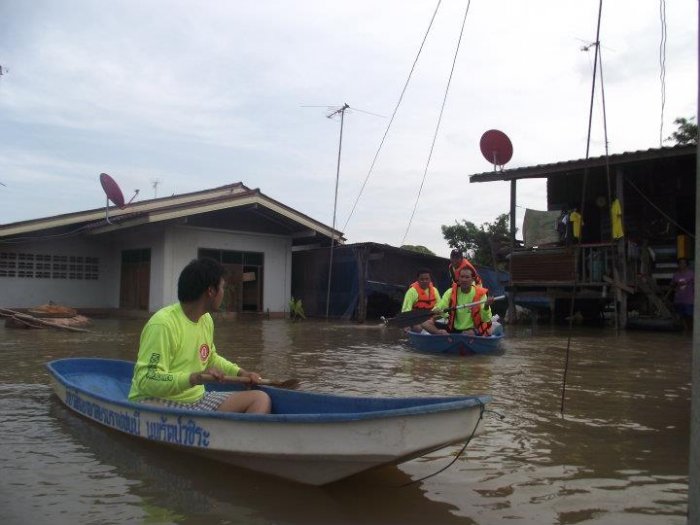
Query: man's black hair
(423, 270)
(197, 277)
(456, 253)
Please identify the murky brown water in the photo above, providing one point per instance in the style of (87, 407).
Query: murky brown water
(618, 456)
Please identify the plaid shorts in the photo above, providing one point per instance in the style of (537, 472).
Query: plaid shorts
(210, 401)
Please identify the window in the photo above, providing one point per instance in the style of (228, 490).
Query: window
(8, 264)
(44, 266)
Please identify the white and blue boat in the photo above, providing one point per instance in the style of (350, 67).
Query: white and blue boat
(309, 437)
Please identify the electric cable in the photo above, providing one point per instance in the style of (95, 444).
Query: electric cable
(437, 126)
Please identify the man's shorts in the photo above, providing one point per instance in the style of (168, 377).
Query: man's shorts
(211, 401)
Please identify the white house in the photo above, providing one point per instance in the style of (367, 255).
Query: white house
(131, 258)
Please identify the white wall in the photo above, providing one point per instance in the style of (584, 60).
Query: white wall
(23, 292)
(182, 244)
(171, 247)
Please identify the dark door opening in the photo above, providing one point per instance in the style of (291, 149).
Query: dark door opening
(135, 279)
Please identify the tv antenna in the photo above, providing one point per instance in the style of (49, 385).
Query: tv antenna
(340, 111)
(334, 112)
(114, 194)
(154, 184)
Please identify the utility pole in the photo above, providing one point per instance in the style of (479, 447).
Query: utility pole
(340, 111)
(337, 110)
(694, 454)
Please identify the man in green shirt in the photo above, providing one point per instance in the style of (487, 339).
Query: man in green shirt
(422, 296)
(177, 347)
(475, 320)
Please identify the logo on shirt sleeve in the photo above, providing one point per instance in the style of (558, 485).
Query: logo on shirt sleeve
(204, 352)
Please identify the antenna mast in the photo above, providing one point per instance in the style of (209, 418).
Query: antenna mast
(340, 111)
(155, 183)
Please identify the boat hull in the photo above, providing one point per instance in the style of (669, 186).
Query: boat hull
(312, 438)
(456, 344)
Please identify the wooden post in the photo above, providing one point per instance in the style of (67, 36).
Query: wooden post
(694, 458)
(511, 295)
(621, 262)
(361, 259)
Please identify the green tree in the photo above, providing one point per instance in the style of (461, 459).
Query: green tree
(687, 132)
(417, 248)
(481, 244)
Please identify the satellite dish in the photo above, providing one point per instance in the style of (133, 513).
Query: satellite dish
(114, 194)
(112, 190)
(496, 147)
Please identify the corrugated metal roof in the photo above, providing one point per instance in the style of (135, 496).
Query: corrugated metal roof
(565, 167)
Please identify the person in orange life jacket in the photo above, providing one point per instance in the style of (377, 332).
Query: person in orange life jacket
(457, 262)
(422, 296)
(177, 348)
(475, 320)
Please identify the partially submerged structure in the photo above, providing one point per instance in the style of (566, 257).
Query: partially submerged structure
(368, 280)
(131, 259)
(628, 276)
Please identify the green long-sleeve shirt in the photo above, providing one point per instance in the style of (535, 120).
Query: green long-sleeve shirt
(171, 348)
(463, 316)
(411, 298)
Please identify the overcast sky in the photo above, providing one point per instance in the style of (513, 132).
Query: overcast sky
(198, 94)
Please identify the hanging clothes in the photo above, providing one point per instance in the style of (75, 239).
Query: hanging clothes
(576, 220)
(616, 220)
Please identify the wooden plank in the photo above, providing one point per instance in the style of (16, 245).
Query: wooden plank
(618, 284)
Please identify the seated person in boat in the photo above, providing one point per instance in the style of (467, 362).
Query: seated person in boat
(457, 262)
(474, 320)
(177, 347)
(422, 296)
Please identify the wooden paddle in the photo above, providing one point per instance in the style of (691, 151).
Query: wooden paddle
(286, 383)
(414, 317)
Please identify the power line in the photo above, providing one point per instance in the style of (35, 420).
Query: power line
(393, 115)
(437, 126)
(662, 67)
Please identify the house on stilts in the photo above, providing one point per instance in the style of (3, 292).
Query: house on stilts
(627, 278)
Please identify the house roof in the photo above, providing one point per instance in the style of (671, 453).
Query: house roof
(570, 166)
(232, 198)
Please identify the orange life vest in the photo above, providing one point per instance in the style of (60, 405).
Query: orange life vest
(480, 327)
(426, 300)
(454, 272)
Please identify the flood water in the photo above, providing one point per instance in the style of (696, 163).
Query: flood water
(618, 455)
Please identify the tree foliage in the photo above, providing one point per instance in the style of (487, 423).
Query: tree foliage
(481, 244)
(296, 310)
(417, 248)
(687, 132)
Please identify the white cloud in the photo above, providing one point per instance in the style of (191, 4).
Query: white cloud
(199, 94)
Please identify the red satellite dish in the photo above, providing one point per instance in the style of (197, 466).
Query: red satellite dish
(112, 190)
(496, 147)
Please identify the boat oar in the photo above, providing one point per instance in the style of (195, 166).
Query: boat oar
(286, 383)
(413, 317)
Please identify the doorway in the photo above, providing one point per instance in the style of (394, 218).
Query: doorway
(244, 275)
(135, 282)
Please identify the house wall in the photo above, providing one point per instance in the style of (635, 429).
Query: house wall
(172, 247)
(182, 244)
(25, 292)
